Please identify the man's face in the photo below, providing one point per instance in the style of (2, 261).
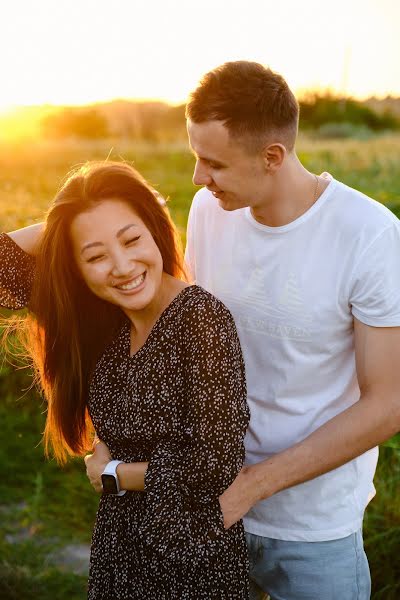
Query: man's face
(236, 177)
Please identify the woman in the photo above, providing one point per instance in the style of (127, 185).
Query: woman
(121, 342)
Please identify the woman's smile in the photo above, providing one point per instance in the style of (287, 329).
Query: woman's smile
(134, 284)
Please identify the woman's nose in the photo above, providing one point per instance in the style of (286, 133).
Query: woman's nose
(123, 264)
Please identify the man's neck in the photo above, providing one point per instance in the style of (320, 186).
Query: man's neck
(295, 190)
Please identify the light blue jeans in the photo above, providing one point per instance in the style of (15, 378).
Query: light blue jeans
(331, 570)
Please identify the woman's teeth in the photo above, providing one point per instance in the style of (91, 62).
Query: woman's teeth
(133, 284)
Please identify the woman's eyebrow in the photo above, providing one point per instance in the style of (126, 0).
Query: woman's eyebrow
(121, 231)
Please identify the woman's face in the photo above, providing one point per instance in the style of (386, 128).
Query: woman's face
(117, 255)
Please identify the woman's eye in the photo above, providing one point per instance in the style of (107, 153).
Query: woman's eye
(132, 240)
(94, 258)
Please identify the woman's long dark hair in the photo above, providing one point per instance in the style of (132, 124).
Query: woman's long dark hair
(68, 326)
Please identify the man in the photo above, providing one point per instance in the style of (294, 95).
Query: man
(310, 270)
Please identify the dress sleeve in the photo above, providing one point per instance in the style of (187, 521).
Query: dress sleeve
(16, 274)
(185, 479)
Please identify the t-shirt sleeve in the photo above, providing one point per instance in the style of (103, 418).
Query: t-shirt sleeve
(184, 480)
(16, 274)
(375, 292)
(190, 254)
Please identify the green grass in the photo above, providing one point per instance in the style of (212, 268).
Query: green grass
(51, 506)
(30, 176)
(371, 166)
(382, 525)
(25, 574)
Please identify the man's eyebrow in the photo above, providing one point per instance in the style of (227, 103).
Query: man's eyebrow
(119, 233)
(209, 160)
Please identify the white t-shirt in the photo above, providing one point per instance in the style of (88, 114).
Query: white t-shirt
(293, 291)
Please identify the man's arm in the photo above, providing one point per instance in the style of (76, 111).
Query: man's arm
(369, 422)
(28, 238)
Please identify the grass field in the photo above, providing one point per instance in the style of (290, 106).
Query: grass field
(43, 507)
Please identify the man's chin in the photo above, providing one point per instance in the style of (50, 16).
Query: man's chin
(226, 205)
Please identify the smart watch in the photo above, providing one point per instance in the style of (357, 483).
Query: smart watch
(109, 479)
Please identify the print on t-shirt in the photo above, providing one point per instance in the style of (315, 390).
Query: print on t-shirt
(254, 305)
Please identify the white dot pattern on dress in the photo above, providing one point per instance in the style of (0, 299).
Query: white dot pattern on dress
(180, 403)
(16, 274)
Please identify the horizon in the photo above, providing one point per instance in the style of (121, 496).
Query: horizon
(142, 100)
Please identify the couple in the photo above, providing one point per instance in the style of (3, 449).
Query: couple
(309, 270)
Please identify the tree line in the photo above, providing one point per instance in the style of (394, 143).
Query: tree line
(157, 121)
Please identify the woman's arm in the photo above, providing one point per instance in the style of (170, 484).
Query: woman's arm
(17, 265)
(17, 271)
(187, 473)
(28, 238)
(184, 478)
(130, 475)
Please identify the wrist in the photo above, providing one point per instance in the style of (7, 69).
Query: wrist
(131, 475)
(261, 480)
(110, 480)
(252, 484)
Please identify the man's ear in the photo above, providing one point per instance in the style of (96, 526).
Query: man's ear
(273, 156)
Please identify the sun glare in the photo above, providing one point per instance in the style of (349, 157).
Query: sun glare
(77, 53)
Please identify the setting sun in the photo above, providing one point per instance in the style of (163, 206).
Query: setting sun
(78, 53)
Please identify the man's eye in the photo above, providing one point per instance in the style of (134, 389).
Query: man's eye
(215, 167)
(132, 240)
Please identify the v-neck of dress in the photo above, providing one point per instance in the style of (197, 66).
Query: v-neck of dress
(127, 328)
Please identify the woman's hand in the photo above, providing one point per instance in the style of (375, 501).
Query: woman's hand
(130, 475)
(96, 462)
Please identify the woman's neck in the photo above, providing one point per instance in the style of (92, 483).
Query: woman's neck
(143, 321)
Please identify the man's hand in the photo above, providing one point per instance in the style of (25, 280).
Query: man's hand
(96, 462)
(240, 496)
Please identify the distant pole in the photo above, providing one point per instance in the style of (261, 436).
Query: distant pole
(345, 80)
(345, 72)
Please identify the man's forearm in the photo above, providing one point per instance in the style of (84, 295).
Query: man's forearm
(28, 238)
(361, 427)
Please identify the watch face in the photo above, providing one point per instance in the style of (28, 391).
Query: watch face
(109, 484)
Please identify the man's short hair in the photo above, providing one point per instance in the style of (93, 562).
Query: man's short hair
(255, 104)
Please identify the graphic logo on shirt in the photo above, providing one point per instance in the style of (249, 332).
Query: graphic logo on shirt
(289, 311)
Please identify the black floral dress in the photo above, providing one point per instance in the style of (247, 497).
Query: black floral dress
(179, 403)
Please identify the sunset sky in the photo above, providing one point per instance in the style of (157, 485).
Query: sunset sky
(81, 51)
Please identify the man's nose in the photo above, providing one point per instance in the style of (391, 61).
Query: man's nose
(201, 175)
